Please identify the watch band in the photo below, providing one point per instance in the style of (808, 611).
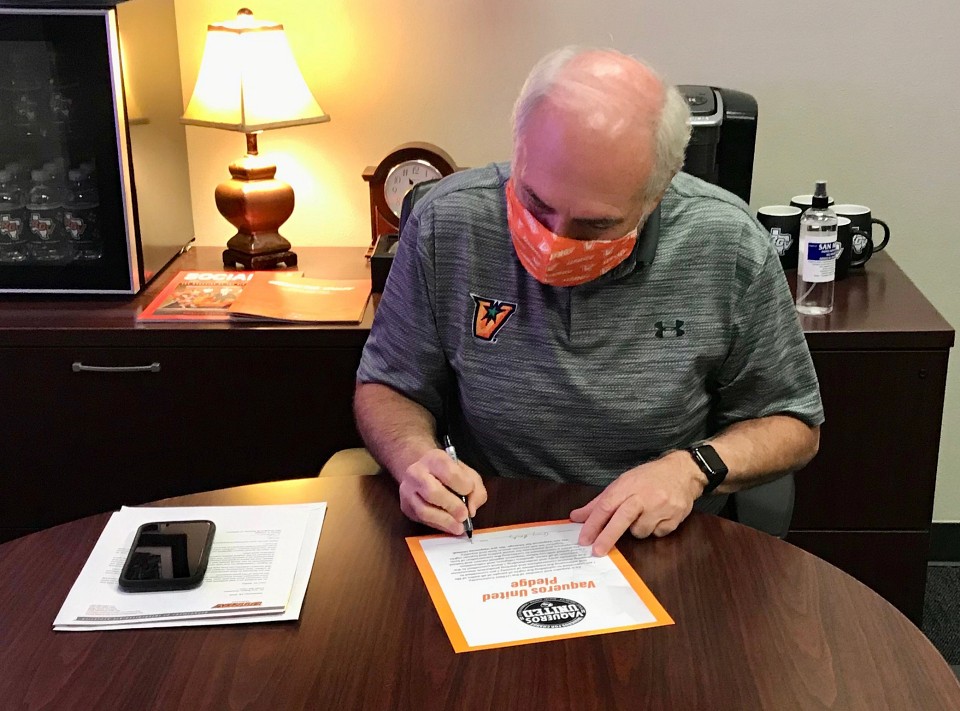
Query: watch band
(710, 464)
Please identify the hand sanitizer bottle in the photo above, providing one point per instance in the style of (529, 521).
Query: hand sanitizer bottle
(819, 250)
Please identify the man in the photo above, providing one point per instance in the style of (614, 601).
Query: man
(587, 314)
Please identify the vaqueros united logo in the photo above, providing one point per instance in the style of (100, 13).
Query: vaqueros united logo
(551, 612)
(489, 316)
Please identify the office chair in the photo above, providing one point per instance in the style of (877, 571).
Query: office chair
(767, 507)
(411, 198)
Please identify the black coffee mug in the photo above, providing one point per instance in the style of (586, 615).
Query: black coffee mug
(861, 218)
(782, 223)
(846, 235)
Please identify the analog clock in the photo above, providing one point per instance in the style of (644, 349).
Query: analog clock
(404, 176)
(393, 177)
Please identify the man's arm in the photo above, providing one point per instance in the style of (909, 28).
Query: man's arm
(400, 434)
(767, 370)
(759, 450)
(655, 497)
(395, 429)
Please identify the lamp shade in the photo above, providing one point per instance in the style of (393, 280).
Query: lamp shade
(249, 80)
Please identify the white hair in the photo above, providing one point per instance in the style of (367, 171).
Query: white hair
(672, 131)
(673, 134)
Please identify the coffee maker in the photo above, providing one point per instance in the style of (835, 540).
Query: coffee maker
(723, 137)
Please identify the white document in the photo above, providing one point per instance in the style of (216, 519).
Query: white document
(530, 583)
(258, 570)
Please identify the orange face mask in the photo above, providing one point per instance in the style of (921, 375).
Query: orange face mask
(561, 261)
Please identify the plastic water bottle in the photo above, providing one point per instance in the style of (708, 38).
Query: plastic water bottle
(18, 176)
(13, 243)
(56, 174)
(47, 241)
(819, 250)
(80, 208)
(23, 99)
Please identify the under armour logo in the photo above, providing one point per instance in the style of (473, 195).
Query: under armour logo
(676, 330)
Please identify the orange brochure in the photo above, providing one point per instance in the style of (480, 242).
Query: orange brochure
(530, 583)
(293, 297)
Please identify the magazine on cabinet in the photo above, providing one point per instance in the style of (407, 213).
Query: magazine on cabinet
(197, 296)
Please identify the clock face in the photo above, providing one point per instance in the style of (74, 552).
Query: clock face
(404, 176)
(391, 179)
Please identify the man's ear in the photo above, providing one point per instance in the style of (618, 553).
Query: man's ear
(652, 205)
(518, 158)
(659, 198)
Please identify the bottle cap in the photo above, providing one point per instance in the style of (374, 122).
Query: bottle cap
(820, 197)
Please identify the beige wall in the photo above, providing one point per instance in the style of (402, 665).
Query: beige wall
(148, 37)
(861, 93)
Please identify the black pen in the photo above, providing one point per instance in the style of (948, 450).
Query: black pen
(468, 524)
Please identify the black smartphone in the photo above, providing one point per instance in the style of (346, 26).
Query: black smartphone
(168, 555)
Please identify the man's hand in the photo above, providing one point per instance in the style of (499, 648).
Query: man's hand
(651, 499)
(426, 491)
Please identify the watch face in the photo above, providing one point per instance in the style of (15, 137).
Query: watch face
(404, 176)
(708, 455)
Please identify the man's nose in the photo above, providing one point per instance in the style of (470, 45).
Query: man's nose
(558, 224)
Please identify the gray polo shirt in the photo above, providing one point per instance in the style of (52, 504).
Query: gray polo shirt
(695, 331)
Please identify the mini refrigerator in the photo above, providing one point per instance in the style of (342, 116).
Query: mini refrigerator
(94, 185)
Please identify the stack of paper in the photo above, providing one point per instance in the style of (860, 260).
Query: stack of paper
(530, 583)
(258, 570)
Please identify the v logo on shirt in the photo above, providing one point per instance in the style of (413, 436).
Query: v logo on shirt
(489, 316)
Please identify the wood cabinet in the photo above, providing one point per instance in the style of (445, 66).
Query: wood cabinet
(226, 404)
(240, 403)
(865, 503)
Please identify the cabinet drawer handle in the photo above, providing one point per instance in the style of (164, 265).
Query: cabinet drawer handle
(79, 367)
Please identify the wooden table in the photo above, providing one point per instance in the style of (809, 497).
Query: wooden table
(759, 624)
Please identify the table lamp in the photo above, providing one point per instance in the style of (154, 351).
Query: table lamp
(249, 81)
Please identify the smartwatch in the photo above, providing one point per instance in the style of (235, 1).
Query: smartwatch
(710, 464)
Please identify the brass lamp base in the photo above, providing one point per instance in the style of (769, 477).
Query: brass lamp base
(256, 203)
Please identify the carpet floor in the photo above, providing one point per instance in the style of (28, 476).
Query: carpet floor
(941, 610)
